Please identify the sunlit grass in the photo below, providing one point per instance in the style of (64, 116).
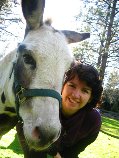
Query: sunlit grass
(110, 127)
(9, 146)
(107, 143)
(105, 146)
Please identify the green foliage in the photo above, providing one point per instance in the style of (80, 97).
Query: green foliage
(111, 92)
(110, 100)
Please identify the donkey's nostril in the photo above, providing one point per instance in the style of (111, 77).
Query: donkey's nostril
(43, 136)
(36, 133)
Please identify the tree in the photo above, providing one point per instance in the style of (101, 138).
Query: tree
(102, 17)
(11, 25)
(111, 92)
(113, 80)
(2, 3)
(109, 37)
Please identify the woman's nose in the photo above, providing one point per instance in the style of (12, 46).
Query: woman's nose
(76, 94)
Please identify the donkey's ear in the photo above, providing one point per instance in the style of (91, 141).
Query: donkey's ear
(33, 12)
(74, 37)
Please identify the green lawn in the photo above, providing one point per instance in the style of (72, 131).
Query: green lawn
(9, 146)
(105, 146)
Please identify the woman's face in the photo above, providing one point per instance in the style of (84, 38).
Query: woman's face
(75, 95)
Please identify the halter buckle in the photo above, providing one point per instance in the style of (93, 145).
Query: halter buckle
(20, 96)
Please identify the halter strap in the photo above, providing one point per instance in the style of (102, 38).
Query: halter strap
(21, 94)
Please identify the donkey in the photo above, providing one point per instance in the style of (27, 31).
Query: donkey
(31, 78)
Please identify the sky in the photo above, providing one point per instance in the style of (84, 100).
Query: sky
(62, 13)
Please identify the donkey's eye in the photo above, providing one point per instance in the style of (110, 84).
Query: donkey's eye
(28, 59)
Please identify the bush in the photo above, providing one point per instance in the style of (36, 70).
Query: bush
(110, 100)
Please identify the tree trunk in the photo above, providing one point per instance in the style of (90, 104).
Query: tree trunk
(108, 40)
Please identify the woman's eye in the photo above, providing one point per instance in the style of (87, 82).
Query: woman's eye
(71, 85)
(86, 91)
(28, 59)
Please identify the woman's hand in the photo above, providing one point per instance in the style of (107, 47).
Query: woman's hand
(57, 156)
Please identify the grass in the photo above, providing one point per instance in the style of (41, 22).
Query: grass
(105, 146)
(110, 127)
(107, 143)
(9, 146)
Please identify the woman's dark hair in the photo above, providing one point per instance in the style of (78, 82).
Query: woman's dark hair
(90, 76)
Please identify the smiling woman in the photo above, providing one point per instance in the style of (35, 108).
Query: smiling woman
(76, 94)
(80, 119)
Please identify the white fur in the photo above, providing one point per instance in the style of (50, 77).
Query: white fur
(6, 65)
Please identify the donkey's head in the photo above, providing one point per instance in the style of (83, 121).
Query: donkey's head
(42, 59)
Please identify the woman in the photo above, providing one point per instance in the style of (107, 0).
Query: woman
(80, 119)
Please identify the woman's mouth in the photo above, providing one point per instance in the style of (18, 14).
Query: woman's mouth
(73, 101)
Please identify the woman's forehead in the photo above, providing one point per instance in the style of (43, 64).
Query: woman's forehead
(77, 80)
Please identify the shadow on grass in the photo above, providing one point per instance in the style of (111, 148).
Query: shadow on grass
(110, 127)
(15, 146)
(117, 137)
